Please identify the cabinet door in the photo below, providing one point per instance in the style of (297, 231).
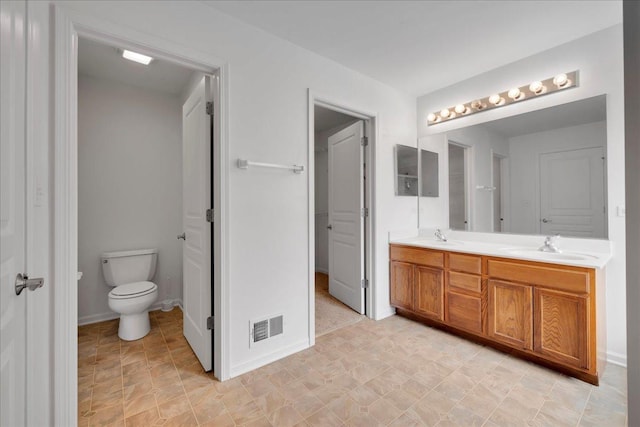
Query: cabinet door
(561, 325)
(402, 283)
(429, 289)
(510, 314)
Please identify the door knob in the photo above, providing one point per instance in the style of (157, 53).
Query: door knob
(329, 227)
(182, 236)
(545, 220)
(24, 282)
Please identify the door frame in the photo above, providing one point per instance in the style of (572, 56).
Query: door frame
(504, 187)
(371, 131)
(68, 26)
(469, 179)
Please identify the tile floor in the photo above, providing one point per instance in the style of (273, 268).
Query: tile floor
(331, 314)
(391, 372)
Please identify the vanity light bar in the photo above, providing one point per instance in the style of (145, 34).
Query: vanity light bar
(535, 89)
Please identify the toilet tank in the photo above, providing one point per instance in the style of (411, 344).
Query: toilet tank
(123, 267)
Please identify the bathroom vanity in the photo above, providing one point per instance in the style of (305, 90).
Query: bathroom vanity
(547, 308)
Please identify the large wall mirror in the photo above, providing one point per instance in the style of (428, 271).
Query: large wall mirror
(542, 172)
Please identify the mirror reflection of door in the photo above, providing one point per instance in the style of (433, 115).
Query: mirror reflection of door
(458, 187)
(498, 194)
(572, 201)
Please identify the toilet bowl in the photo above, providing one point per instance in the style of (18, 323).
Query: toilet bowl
(129, 273)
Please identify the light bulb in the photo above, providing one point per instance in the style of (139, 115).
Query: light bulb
(514, 94)
(477, 105)
(461, 108)
(431, 117)
(560, 80)
(495, 99)
(536, 87)
(445, 113)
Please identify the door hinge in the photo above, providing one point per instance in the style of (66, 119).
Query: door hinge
(210, 108)
(364, 212)
(364, 283)
(210, 214)
(364, 141)
(210, 322)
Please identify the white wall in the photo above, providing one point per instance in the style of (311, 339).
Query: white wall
(268, 121)
(599, 59)
(525, 151)
(129, 186)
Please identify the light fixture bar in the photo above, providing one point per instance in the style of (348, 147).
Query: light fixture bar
(136, 57)
(533, 90)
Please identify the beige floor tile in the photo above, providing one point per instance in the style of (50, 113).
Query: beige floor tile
(108, 417)
(174, 407)
(391, 372)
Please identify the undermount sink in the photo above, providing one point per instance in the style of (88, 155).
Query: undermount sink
(536, 253)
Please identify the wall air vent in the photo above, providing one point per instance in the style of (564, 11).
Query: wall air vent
(262, 329)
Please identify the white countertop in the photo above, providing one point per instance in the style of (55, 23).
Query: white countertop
(591, 253)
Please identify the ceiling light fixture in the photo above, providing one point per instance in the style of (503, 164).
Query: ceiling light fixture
(535, 89)
(136, 57)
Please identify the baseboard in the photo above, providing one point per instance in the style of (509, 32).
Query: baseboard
(384, 313)
(322, 270)
(97, 318)
(103, 317)
(259, 362)
(617, 359)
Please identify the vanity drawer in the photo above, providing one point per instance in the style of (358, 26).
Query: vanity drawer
(571, 279)
(417, 256)
(465, 263)
(465, 282)
(464, 311)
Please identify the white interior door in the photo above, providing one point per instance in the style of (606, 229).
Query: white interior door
(572, 193)
(346, 200)
(196, 199)
(12, 215)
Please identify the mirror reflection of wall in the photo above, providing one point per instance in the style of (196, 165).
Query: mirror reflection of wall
(541, 172)
(429, 172)
(406, 170)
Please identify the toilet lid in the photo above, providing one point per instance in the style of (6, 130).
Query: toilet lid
(135, 289)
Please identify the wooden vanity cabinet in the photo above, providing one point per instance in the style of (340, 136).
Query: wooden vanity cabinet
(543, 312)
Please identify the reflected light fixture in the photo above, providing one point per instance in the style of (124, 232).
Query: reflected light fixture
(136, 57)
(535, 89)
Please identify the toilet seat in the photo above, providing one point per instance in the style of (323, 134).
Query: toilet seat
(133, 290)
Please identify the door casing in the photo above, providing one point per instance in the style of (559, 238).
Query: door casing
(371, 131)
(68, 26)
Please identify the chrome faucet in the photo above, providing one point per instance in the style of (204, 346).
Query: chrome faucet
(551, 244)
(440, 236)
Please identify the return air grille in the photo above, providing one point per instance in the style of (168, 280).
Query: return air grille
(266, 328)
(260, 331)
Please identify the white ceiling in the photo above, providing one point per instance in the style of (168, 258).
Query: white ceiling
(576, 113)
(420, 46)
(106, 62)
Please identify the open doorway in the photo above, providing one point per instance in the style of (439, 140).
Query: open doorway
(339, 219)
(145, 156)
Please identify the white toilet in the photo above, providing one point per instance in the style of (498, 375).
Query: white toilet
(129, 272)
